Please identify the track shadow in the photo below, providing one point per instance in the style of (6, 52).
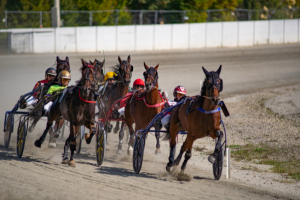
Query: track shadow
(203, 178)
(3, 148)
(123, 172)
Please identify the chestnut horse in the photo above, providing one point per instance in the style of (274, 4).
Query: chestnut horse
(193, 116)
(108, 96)
(60, 66)
(142, 110)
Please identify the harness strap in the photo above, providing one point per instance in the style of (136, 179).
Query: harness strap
(155, 105)
(84, 99)
(209, 112)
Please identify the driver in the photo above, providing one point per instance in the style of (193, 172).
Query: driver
(50, 73)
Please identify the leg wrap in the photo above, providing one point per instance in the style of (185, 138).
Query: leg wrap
(187, 156)
(42, 138)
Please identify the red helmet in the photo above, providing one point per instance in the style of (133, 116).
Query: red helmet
(138, 82)
(179, 89)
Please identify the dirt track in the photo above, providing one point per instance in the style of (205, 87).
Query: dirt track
(39, 174)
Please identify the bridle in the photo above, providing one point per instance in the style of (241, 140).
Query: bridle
(123, 80)
(86, 77)
(216, 83)
(63, 62)
(154, 73)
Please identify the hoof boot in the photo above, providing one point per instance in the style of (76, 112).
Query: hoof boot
(72, 163)
(37, 143)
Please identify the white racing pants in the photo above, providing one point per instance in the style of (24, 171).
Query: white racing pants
(47, 107)
(122, 111)
(31, 100)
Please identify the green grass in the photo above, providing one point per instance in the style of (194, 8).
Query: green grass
(267, 155)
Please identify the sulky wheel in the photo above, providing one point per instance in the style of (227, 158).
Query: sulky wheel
(8, 129)
(138, 154)
(79, 139)
(218, 165)
(100, 144)
(21, 136)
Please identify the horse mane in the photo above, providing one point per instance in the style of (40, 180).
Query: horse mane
(79, 82)
(116, 68)
(203, 89)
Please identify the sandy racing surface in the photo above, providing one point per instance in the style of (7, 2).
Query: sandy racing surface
(246, 72)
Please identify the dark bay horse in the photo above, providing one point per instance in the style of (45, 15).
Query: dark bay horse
(78, 108)
(124, 71)
(60, 66)
(99, 75)
(142, 110)
(193, 117)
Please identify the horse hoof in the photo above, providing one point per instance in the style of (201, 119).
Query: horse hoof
(129, 151)
(86, 136)
(169, 169)
(37, 143)
(30, 129)
(116, 130)
(157, 151)
(65, 161)
(72, 163)
(119, 152)
(211, 159)
(52, 145)
(107, 148)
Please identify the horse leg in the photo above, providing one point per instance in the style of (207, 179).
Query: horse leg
(65, 159)
(157, 135)
(172, 150)
(73, 131)
(129, 123)
(33, 124)
(54, 134)
(88, 137)
(117, 127)
(218, 147)
(121, 136)
(39, 142)
(188, 153)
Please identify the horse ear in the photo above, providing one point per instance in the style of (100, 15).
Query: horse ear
(205, 71)
(156, 67)
(146, 66)
(103, 61)
(91, 62)
(120, 61)
(57, 59)
(219, 70)
(128, 59)
(67, 59)
(83, 62)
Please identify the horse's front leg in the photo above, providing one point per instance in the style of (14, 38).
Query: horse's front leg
(172, 151)
(188, 153)
(121, 136)
(88, 137)
(65, 159)
(54, 134)
(219, 134)
(157, 135)
(73, 131)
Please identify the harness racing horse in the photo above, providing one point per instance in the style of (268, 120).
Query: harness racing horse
(60, 66)
(142, 110)
(78, 109)
(111, 94)
(99, 76)
(199, 116)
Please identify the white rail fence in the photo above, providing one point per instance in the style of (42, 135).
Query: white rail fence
(153, 37)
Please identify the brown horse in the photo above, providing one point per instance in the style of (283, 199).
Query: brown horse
(108, 96)
(200, 117)
(143, 109)
(99, 76)
(78, 108)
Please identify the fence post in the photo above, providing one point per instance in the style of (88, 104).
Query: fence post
(5, 19)
(183, 16)
(249, 15)
(208, 15)
(41, 19)
(91, 18)
(155, 17)
(141, 17)
(117, 18)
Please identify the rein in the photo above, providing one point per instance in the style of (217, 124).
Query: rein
(155, 105)
(84, 99)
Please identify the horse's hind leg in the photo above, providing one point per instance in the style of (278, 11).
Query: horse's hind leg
(157, 135)
(65, 159)
(40, 141)
(188, 153)
(218, 147)
(33, 124)
(117, 127)
(172, 150)
(121, 136)
(54, 134)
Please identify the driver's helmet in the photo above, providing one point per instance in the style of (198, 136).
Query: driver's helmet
(179, 89)
(138, 82)
(63, 75)
(110, 75)
(50, 71)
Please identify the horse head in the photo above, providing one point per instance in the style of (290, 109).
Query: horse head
(151, 77)
(125, 70)
(99, 75)
(62, 65)
(212, 85)
(87, 77)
